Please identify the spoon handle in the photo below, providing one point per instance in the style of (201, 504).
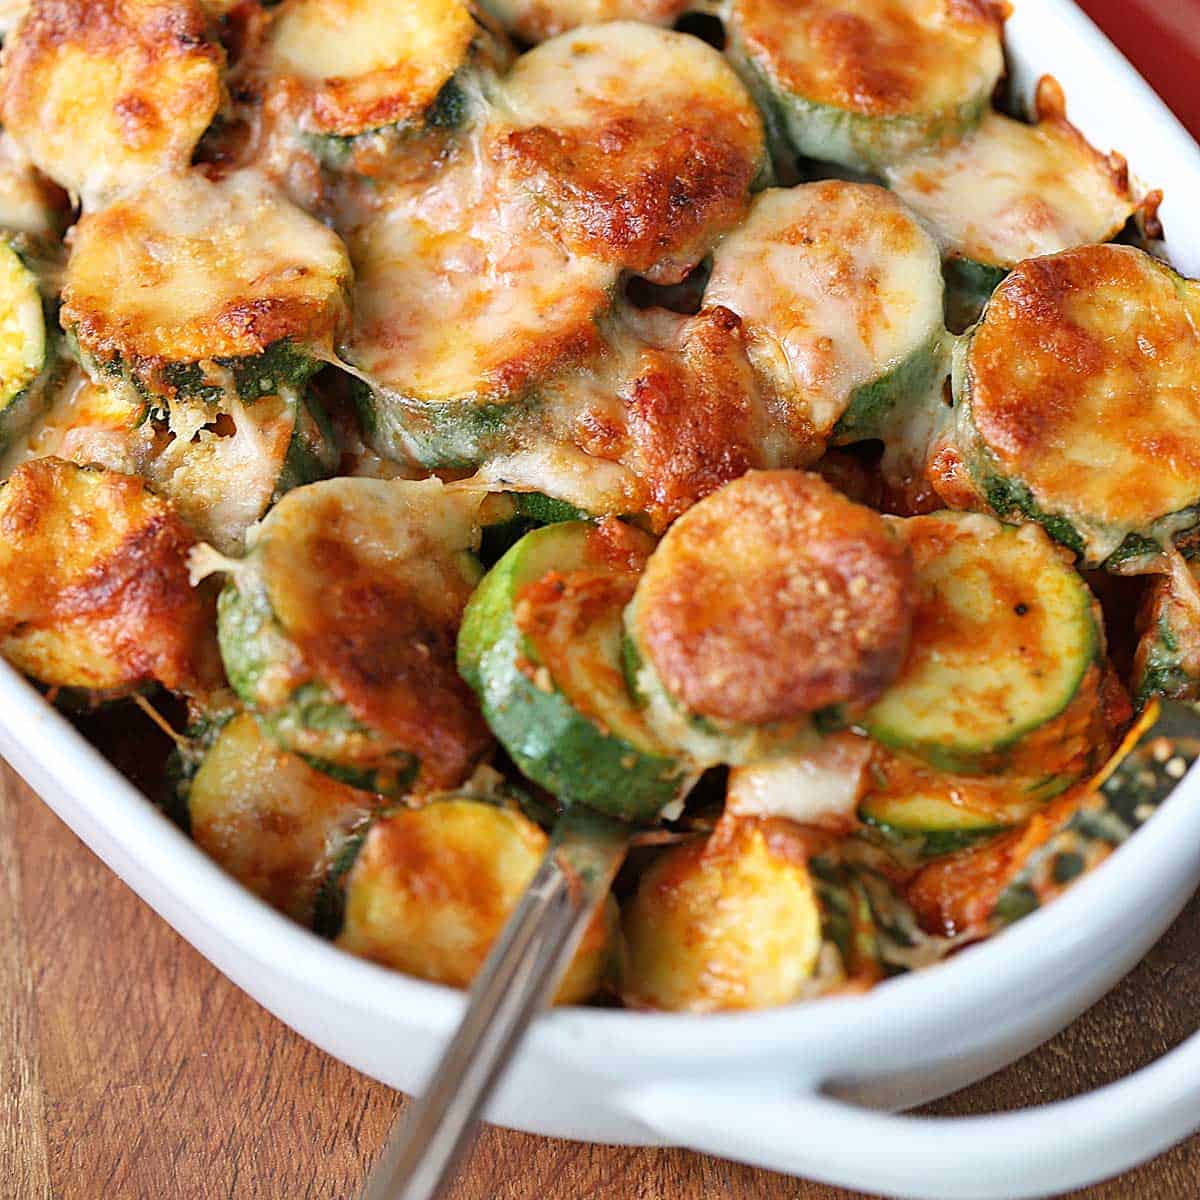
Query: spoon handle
(516, 982)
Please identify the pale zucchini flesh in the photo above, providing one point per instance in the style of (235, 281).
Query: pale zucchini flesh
(995, 595)
(24, 346)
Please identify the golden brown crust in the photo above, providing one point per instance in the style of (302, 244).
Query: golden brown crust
(1096, 341)
(106, 92)
(774, 598)
(881, 58)
(94, 578)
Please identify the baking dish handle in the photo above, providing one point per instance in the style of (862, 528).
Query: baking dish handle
(1009, 1156)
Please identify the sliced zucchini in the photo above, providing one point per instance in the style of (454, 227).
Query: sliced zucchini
(432, 888)
(1012, 191)
(1078, 401)
(773, 607)
(105, 95)
(27, 358)
(202, 290)
(269, 819)
(508, 516)
(640, 144)
(1167, 661)
(840, 290)
(1003, 673)
(32, 210)
(222, 470)
(534, 21)
(865, 83)
(727, 922)
(337, 629)
(541, 645)
(94, 587)
(462, 320)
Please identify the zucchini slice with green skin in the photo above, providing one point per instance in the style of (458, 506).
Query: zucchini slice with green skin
(727, 922)
(431, 889)
(442, 391)
(94, 587)
(508, 516)
(246, 297)
(222, 470)
(270, 820)
(337, 629)
(28, 358)
(1167, 660)
(1011, 191)
(1077, 402)
(105, 96)
(1003, 673)
(541, 645)
(865, 83)
(770, 611)
(591, 126)
(840, 291)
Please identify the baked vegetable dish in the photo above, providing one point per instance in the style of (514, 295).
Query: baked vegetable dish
(736, 416)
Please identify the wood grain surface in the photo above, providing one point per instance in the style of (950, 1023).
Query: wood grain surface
(131, 1070)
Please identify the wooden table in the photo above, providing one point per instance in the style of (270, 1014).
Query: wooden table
(131, 1070)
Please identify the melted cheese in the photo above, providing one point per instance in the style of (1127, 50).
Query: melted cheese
(1083, 383)
(838, 285)
(537, 20)
(471, 301)
(642, 143)
(1011, 191)
(104, 95)
(28, 203)
(367, 63)
(188, 270)
(878, 58)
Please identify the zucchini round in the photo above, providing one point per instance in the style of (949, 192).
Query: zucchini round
(840, 291)
(864, 83)
(541, 645)
(270, 820)
(26, 357)
(640, 144)
(94, 586)
(105, 95)
(727, 922)
(32, 209)
(337, 630)
(1012, 191)
(1078, 401)
(1002, 674)
(462, 321)
(535, 21)
(199, 290)
(432, 888)
(773, 606)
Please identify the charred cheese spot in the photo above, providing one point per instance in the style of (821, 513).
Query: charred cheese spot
(840, 290)
(105, 94)
(641, 144)
(730, 922)
(432, 889)
(1079, 398)
(355, 587)
(537, 20)
(362, 64)
(866, 82)
(1012, 191)
(1002, 672)
(94, 589)
(269, 819)
(772, 599)
(184, 286)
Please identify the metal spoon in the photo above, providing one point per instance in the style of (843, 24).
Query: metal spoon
(518, 979)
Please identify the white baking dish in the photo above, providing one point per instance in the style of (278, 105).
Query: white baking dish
(758, 1086)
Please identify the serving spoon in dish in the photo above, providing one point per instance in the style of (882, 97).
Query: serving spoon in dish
(517, 980)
